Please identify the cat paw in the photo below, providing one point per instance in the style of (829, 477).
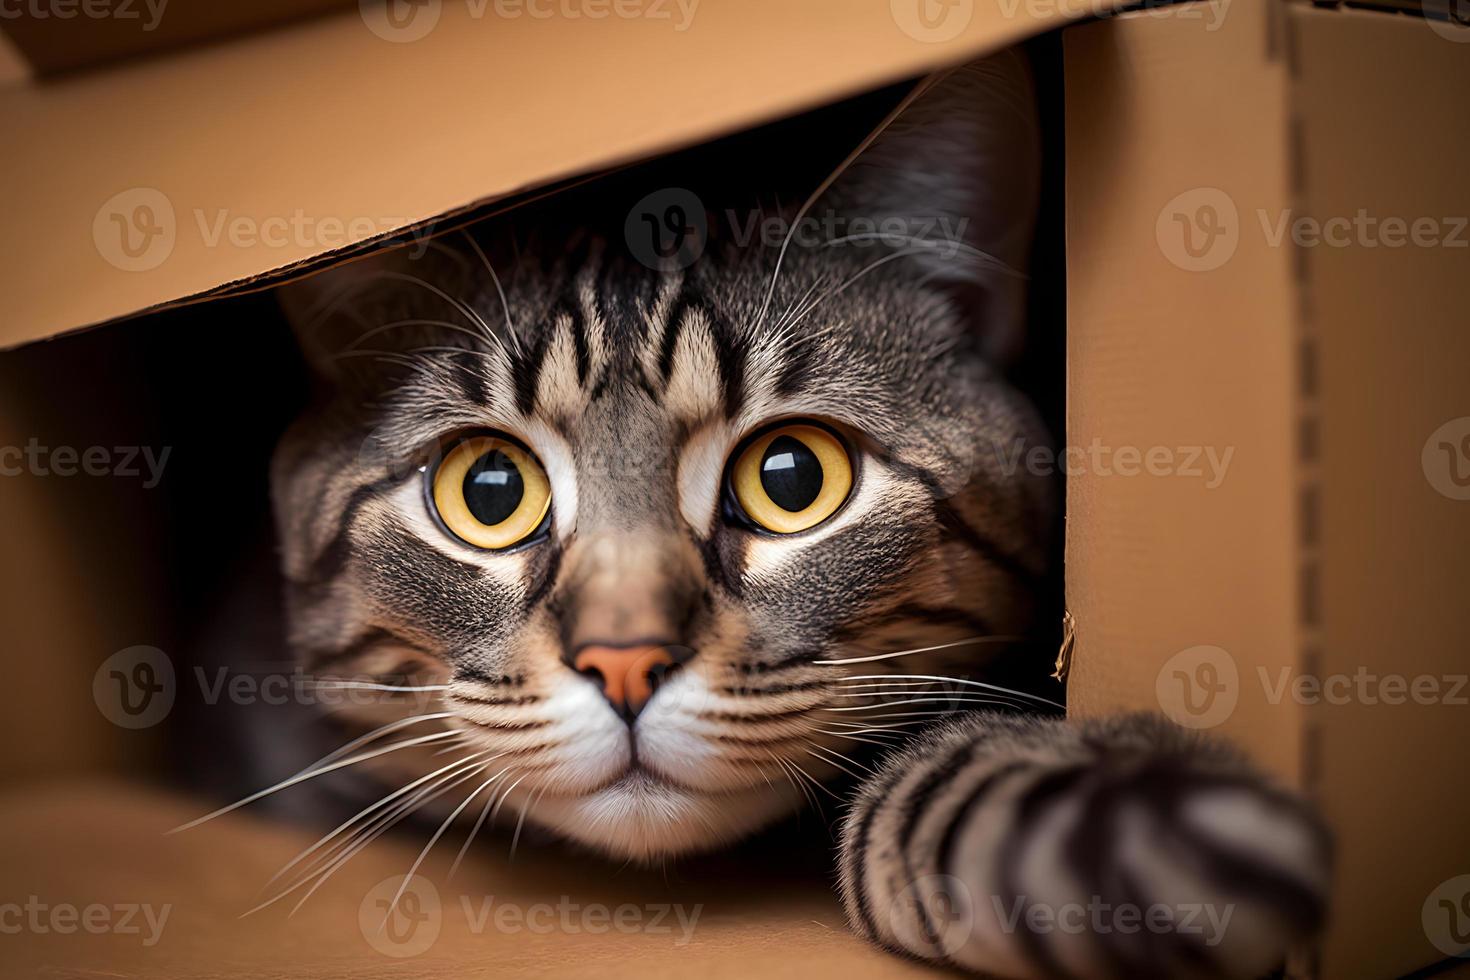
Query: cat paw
(1120, 848)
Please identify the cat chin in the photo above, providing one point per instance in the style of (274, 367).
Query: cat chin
(642, 818)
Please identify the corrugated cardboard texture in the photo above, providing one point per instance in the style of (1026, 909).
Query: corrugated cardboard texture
(331, 122)
(1160, 356)
(1389, 327)
(1328, 553)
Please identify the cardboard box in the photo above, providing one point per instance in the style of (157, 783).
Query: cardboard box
(1215, 305)
(1243, 279)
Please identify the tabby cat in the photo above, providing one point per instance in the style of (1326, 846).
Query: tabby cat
(671, 544)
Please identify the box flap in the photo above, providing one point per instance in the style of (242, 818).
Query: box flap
(72, 34)
(162, 180)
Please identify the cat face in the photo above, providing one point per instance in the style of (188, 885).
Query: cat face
(628, 517)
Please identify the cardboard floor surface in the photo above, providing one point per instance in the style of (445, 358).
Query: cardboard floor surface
(104, 843)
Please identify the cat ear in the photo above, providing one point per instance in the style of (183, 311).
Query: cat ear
(960, 165)
(339, 314)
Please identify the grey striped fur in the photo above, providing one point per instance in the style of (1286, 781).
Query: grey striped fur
(633, 385)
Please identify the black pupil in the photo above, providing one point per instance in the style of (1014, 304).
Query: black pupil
(493, 488)
(791, 474)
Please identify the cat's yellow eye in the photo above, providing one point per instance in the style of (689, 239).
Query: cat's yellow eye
(490, 492)
(792, 477)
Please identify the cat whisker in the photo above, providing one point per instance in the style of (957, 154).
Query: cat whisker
(916, 715)
(863, 726)
(326, 864)
(313, 773)
(943, 700)
(463, 307)
(383, 827)
(813, 749)
(854, 737)
(418, 861)
(963, 681)
(480, 822)
(387, 356)
(504, 305)
(831, 179)
(515, 838)
(939, 646)
(505, 795)
(363, 813)
(330, 684)
(865, 270)
(801, 787)
(916, 241)
(383, 730)
(397, 324)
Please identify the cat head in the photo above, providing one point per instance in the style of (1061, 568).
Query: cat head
(645, 524)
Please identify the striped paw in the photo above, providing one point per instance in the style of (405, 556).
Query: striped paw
(1123, 847)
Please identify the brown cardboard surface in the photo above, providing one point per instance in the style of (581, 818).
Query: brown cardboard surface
(1161, 356)
(62, 37)
(13, 68)
(1329, 550)
(330, 126)
(1392, 552)
(81, 844)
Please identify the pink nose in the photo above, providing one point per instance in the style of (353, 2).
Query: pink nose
(628, 675)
